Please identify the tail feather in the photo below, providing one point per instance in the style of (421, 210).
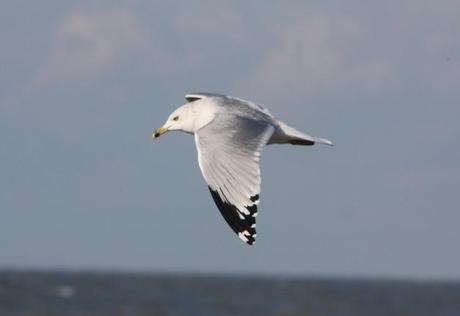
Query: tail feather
(288, 134)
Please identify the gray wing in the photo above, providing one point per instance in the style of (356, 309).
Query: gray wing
(190, 97)
(228, 154)
(258, 108)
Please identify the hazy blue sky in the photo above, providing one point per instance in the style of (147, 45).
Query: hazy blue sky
(83, 84)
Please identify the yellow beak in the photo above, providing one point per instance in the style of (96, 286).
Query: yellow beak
(158, 132)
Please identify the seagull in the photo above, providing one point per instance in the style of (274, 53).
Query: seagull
(229, 136)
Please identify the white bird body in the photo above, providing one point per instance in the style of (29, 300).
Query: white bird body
(230, 134)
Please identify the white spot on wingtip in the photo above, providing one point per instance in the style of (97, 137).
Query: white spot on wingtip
(244, 211)
(254, 215)
(253, 226)
(243, 237)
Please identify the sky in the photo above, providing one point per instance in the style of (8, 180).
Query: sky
(84, 84)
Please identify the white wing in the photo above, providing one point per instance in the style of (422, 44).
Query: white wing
(228, 154)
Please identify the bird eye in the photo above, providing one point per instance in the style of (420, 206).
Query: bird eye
(175, 118)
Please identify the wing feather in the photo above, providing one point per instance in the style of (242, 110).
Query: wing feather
(228, 154)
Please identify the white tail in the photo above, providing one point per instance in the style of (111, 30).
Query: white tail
(286, 134)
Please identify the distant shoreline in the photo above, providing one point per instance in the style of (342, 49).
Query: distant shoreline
(217, 274)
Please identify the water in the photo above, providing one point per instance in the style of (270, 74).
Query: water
(77, 294)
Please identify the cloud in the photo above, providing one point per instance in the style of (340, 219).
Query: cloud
(218, 21)
(320, 54)
(329, 54)
(210, 35)
(90, 43)
(319, 51)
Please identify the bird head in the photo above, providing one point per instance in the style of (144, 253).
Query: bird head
(182, 119)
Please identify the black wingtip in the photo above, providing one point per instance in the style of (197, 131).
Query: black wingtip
(244, 228)
(251, 241)
(254, 198)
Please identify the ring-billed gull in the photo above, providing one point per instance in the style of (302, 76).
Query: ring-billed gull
(229, 135)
